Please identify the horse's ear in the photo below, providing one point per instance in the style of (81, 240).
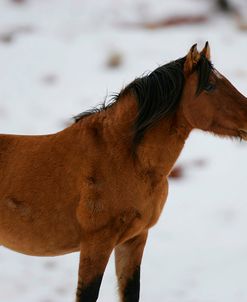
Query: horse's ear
(206, 51)
(191, 60)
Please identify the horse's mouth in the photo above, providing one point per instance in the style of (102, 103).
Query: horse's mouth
(243, 134)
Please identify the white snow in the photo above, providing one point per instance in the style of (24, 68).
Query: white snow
(55, 67)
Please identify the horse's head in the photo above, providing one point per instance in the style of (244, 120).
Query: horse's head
(210, 102)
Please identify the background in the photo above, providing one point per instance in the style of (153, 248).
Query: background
(60, 57)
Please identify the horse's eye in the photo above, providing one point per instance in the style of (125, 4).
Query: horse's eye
(209, 87)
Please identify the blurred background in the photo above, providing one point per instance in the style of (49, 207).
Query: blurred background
(60, 57)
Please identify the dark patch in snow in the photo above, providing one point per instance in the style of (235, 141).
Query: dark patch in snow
(114, 60)
(49, 79)
(177, 172)
(10, 36)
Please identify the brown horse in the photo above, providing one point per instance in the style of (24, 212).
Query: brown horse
(101, 183)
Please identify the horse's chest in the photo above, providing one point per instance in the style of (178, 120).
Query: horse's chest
(142, 215)
(126, 209)
(155, 203)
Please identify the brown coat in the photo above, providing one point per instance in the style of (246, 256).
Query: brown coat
(84, 189)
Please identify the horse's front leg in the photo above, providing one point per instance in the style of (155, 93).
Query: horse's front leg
(94, 255)
(128, 258)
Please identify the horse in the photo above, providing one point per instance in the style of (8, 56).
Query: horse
(100, 184)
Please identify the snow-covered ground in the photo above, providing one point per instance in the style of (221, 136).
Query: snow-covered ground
(53, 56)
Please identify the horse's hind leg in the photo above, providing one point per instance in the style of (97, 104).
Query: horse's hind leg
(94, 256)
(128, 258)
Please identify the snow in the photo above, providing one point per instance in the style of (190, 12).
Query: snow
(55, 67)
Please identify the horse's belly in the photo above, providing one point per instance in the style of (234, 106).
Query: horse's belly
(40, 250)
(28, 231)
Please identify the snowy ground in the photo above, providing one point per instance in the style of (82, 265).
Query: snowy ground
(53, 56)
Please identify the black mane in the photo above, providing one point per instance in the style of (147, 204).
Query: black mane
(158, 94)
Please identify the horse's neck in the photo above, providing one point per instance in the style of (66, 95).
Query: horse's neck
(162, 145)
